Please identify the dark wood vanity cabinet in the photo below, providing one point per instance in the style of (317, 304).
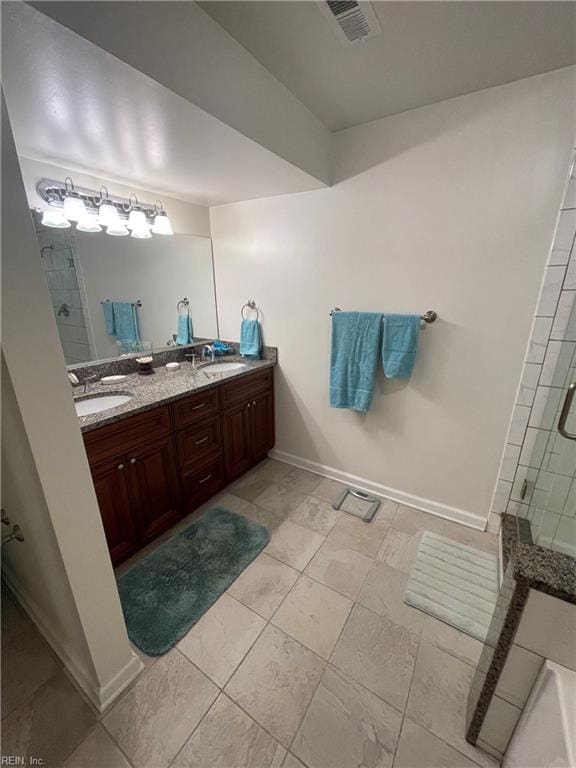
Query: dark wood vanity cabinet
(151, 469)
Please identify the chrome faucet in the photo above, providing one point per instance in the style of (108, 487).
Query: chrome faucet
(210, 349)
(75, 381)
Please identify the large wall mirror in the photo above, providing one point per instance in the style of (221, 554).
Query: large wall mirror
(87, 272)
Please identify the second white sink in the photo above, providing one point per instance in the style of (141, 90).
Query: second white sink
(221, 367)
(100, 403)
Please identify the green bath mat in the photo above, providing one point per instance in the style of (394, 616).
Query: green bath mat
(171, 588)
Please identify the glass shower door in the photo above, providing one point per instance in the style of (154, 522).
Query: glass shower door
(552, 507)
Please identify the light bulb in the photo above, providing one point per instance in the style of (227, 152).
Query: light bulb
(108, 215)
(136, 220)
(55, 218)
(142, 231)
(118, 229)
(74, 208)
(88, 223)
(162, 225)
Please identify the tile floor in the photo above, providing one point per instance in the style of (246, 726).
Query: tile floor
(310, 660)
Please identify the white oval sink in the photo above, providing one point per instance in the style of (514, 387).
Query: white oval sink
(100, 403)
(221, 367)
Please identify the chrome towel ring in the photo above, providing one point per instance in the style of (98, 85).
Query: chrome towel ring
(250, 305)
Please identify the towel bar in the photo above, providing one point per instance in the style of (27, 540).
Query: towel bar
(429, 317)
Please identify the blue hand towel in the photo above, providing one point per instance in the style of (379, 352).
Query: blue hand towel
(108, 311)
(185, 332)
(401, 333)
(250, 339)
(356, 339)
(125, 321)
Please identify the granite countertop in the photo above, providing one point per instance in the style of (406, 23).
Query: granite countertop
(161, 387)
(539, 567)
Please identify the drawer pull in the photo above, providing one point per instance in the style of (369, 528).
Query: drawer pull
(204, 479)
(199, 442)
(253, 402)
(120, 466)
(132, 461)
(195, 407)
(248, 405)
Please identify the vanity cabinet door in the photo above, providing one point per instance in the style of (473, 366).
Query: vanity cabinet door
(237, 449)
(111, 483)
(154, 483)
(262, 415)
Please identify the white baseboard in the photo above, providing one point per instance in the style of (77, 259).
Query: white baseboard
(101, 697)
(426, 505)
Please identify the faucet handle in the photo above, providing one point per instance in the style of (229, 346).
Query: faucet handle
(73, 379)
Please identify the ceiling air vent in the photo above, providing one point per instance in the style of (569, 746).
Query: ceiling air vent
(353, 21)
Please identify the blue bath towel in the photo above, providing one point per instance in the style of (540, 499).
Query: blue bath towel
(401, 333)
(125, 321)
(250, 339)
(108, 311)
(356, 339)
(185, 332)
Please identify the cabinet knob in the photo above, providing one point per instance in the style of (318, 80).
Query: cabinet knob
(120, 466)
(132, 461)
(253, 402)
(248, 405)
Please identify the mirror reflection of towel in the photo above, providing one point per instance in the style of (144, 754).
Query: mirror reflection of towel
(121, 320)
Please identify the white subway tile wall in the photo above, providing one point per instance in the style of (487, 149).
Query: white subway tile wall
(536, 478)
(57, 248)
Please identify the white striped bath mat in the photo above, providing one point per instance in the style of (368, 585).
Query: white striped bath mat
(454, 583)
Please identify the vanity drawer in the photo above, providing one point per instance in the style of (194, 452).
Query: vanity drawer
(200, 484)
(127, 433)
(245, 388)
(195, 407)
(199, 441)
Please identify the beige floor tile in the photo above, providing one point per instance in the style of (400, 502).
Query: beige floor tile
(292, 762)
(386, 512)
(275, 683)
(314, 615)
(250, 486)
(412, 520)
(154, 719)
(227, 737)
(383, 593)
(452, 641)
(356, 534)
(294, 544)
(264, 584)
(418, 748)
(50, 725)
(221, 639)
(230, 502)
(273, 470)
(316, 514)
(97, 751)
(278, 499)
(378, 654)
(346, 726)
(339, 568)
(27, 663)
(300, 480)
(266, 517)
(399, 549)
(328, 490)
(487, 542)
(438, 699)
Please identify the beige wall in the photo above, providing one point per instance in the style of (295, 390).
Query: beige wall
(186, 218)
(62, 571)
(450, 207)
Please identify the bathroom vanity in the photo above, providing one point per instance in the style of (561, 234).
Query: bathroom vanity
(161, 456)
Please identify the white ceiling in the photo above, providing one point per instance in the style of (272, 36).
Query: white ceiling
(427, 52)
(71, 103)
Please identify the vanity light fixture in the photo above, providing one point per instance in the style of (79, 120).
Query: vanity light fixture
(55, 218)
(162, 225)
(94, 210)
(74, 208)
